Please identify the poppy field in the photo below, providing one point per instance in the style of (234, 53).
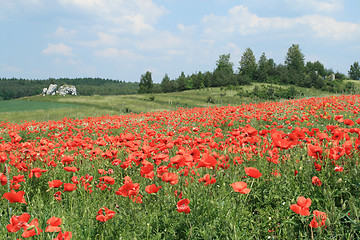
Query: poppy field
(270, 170)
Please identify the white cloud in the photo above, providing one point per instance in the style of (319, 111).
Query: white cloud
(60, 49)
(161, 40)
(107, 39)
(102, 39)
(175, 52)
(319, 6)
(186, 29)
(116, 53)
(72, 62)
(64, 33)
(10, 69)
(133, 16)
(240, 20)
(327, 27)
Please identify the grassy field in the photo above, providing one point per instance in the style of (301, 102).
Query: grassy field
(39, 108)
(268, 170)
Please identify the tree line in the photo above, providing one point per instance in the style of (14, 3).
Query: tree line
(15, 88)
(294, 71)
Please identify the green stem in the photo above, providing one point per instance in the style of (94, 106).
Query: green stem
(190, 227)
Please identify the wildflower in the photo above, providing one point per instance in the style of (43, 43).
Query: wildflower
(107, 180)
(170, 177)
(69, 187)
(37, 172)
(207, 180)
(13, 196)
(339, 169)
(183, 206)
(32, 229)
(54, 223)
(276, 173)
(101, 217)
(252, 172)
(316, 181)
(3, 179)
(152, 188)
(18, 222)
(318, 219)
(240, 187)
(57, 196)
(70, 169)
(129, 189)
(302, 206)
(55, 183)
(63, 236)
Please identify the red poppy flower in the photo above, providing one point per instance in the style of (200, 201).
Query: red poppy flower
(170, 177)
(276, 173)
(339, 169)
(104, 214)
(302, 206)
(107, 180)
(207, 180)
(318, 219)
(316, 181)
(18, 222)
(317, 167)
(13, 196)
(54, 223)
(3, 179)
(55, 183)
(69, 187)
(57, 196)
(74, 179)
(102, 171)
(70, 169)
(67, 160)
(152, 188)
(147, 171)
(64, 236)
(315, 151)
(32, 229)
(240, 187)
(207, 161)
(37, 172)
(183, 206)
(252, 172)
(129, 189)
(349, 122)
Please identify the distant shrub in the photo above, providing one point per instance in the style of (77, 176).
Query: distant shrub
(210, 99)
(269, 92)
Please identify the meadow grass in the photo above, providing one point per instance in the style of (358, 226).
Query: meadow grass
(44, 108)
(217, 211)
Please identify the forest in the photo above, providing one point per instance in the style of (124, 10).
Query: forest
(16, 88)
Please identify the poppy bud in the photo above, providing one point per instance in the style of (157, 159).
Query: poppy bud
(343, 207)
(31, 227)
(327, 222)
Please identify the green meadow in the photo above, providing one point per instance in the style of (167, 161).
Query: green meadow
(45, 108)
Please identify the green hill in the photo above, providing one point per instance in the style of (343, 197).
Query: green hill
(44, 108)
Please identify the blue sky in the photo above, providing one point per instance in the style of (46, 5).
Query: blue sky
(122, 39)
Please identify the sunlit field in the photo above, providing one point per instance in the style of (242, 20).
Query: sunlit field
(45, 108)
(269, 170)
